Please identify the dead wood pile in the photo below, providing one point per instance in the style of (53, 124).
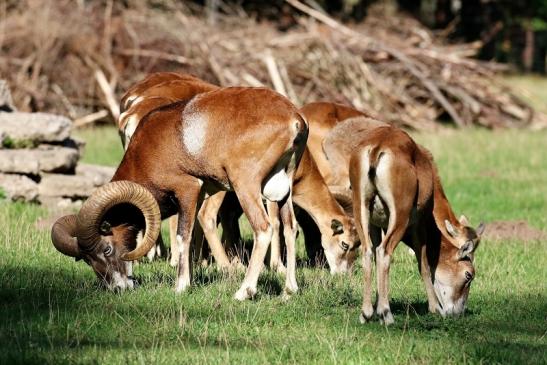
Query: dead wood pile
(77, 58)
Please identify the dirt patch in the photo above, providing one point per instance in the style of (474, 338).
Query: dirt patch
(503, 230)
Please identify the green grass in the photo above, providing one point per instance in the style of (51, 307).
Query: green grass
(531, 88)
(103, 145)
(51, 310)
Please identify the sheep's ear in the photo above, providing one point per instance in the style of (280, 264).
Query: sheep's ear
(337, 227)
(463, 220)
(480, 229)
(466, 250)
(450, 229)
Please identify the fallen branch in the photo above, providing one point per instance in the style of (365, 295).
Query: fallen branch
(391, 66)
(269, 60)
(108, 93)
(90, 118)
(437, 94)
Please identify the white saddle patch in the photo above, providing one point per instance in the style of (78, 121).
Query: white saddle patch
(133, 100)
(130, 127)
(277, 187)
(194, 131)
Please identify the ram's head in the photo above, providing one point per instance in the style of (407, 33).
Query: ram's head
(104, 232)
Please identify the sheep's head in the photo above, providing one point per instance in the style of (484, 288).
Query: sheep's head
(341, 248)
(455, 270)
(109, 248)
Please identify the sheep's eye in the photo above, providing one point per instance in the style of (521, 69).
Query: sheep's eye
(108, 250)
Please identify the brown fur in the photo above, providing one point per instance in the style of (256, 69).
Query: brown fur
(309, 189)
(310, 193)
(390, 173)
(265, 131)
(156, 90)
(436, 250)
(322, 117)
(153, 80)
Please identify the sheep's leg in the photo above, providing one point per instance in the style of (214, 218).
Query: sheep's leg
(384, 252)
(276, 263)
(199, 248)
(290, 228)
(188, 198)
(157, 250)
(229, 214)
(173, 224)
(249, 196)
(420, 248)
(399, 198)
(364, 230)
(364, 193)
(207, 217)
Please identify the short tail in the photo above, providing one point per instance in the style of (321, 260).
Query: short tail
(301, 131)
(374, 155)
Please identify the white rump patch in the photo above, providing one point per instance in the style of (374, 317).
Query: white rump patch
(194, 131)
(277, 187)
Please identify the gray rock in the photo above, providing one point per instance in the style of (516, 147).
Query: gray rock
(19, 161)
(45, 158)
(6, 102)
(18, 187)
(60, 205)
(35, 127)
(81, 185)
(57, 159)
(67, 186)
(99, 175)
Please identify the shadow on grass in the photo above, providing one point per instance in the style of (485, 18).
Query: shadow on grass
(41, 311)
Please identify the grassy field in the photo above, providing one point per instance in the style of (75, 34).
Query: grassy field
(52, 311)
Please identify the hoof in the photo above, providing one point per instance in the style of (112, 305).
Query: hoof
(290, 290)
(285, 296)
(181, 287)
(365, 317)
(386, 318)
(244, 294)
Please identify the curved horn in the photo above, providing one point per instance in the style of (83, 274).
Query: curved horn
(63, 236)
(344, 198)
(109, 195)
